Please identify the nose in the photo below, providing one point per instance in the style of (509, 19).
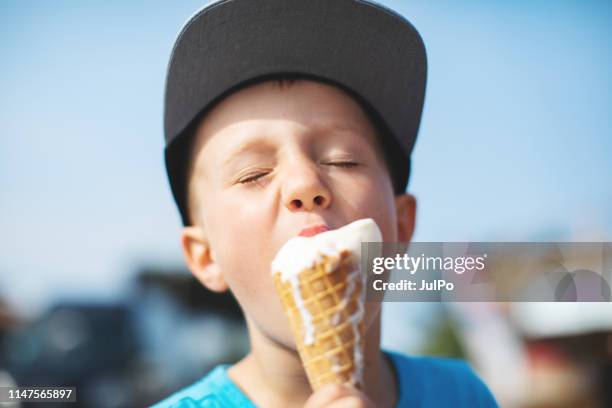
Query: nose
(303, 189)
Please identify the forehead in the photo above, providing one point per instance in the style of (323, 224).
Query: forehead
(258, 109)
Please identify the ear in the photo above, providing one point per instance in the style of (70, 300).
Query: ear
(200, 259)
(405, 205)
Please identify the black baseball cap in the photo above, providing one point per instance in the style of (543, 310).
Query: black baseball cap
(364, 48)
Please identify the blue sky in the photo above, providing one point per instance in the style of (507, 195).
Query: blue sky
(515, 142)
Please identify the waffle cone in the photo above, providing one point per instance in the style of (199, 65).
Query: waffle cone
(332, 293)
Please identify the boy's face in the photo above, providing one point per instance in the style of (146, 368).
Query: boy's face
(269, 161)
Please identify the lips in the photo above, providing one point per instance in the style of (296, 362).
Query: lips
(314, 230)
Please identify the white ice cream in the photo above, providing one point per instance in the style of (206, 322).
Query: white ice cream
(301, 253)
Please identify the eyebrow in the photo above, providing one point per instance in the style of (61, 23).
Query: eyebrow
(253, 145)
(335, 125)
(258, 145)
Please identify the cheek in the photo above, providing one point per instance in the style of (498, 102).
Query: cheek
(240, 225)
(373, 197)
(241, 235)
(239, 239)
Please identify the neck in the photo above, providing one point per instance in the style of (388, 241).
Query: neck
(272, 374)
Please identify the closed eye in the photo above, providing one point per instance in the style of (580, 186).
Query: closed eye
(251, 178)
(345, 164)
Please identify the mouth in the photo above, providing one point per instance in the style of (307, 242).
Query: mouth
(314, 230)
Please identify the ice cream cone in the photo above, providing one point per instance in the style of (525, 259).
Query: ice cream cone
(322, 291)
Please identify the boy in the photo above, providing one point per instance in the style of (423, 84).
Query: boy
(283, 116)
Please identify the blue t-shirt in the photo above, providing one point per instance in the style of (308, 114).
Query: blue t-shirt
(423, 382)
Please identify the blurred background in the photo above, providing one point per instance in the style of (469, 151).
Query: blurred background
(515, 145)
